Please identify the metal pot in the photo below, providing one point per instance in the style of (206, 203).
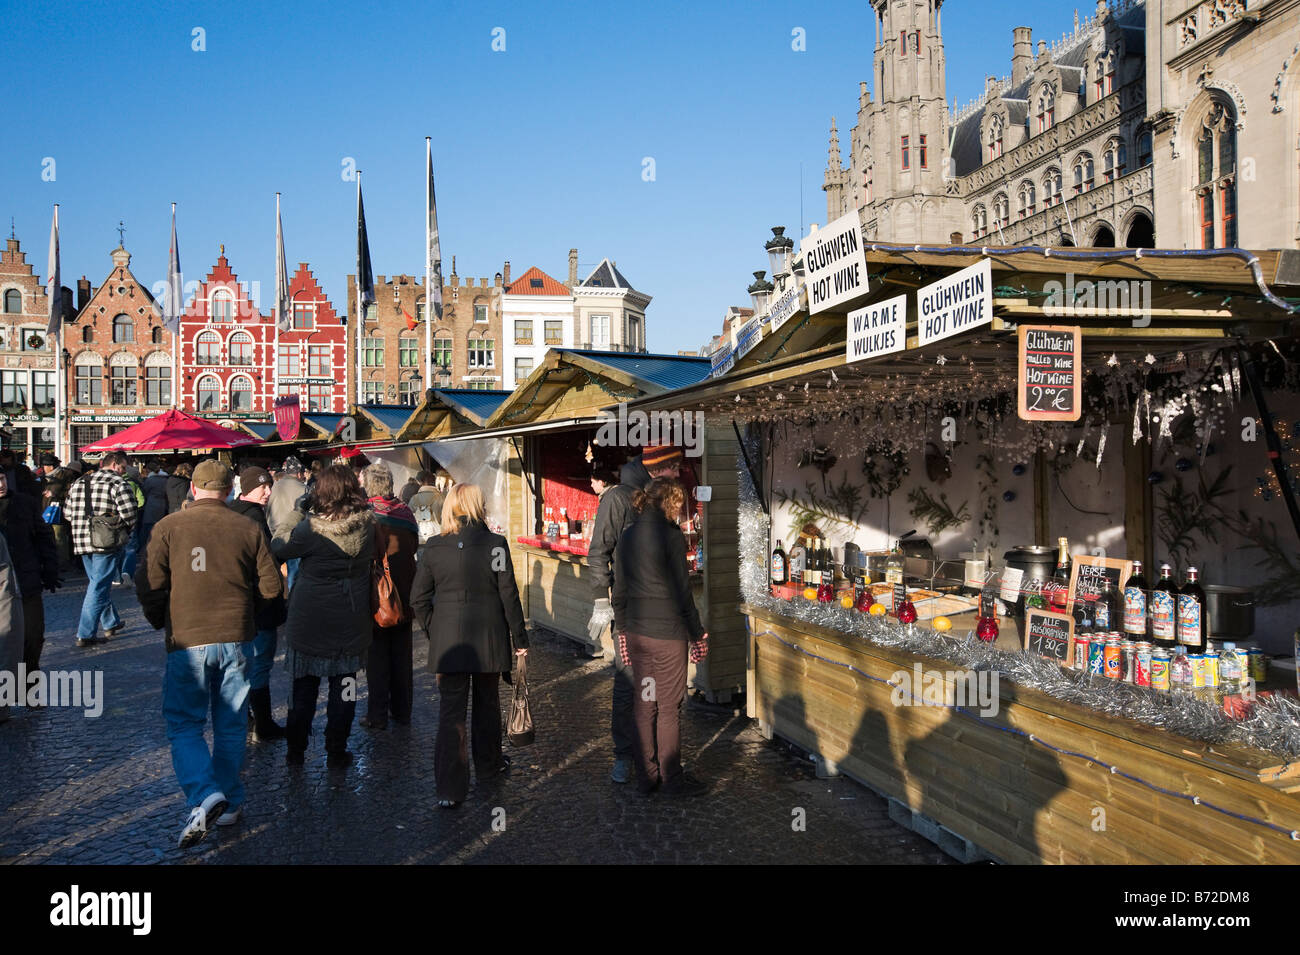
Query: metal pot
(1230, 612)
(1035, 562)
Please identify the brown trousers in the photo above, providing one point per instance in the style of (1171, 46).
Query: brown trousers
(658, 686)
(451, 754)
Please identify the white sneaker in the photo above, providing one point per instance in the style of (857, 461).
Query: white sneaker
(197, 827)
(230, 817)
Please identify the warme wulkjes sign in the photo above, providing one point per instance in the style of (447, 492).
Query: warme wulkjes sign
(956, 304)
(835, 262)
(876, 330)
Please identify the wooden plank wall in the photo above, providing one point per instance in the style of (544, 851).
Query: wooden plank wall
(723, 672)
(1011, 796)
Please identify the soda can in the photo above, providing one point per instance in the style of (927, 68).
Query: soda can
(1211, 668)
(1197, 660)
(1257, 664)
(1097, 655)
(1113, 659)
(1160, 670)
(1081, 653)
(1142, 666)
(1128, 661)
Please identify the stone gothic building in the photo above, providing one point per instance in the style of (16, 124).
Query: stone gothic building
(1125, 132)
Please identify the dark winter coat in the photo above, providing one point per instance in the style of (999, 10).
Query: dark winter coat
(57, 484)
(178, 489)
(156, 504)
(31, 543)
(465, 597)
(329, 607)
(614, 515)
(272, 614)
(652, 587)
(215, 568)
(396, 537)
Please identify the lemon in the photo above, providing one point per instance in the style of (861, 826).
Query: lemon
(847, 601)
(810, 593)
(941, 624)
(877, 610)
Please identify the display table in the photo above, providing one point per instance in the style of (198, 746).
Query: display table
(1039, 780)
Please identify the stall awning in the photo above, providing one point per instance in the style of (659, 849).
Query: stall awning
(508, 431)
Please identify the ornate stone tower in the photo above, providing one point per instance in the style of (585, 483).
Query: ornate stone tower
(836, 179)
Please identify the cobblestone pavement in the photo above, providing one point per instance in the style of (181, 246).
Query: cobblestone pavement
(102, 790)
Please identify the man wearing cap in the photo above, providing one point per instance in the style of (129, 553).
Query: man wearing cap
(57, 483)
(216, 568)
(255, 486)
(614, 515)
(283, 509)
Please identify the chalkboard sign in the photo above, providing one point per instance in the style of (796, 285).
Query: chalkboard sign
(1050, 635)
(988, 603)
(1049, 373)
(900, 594)
(1086, 578)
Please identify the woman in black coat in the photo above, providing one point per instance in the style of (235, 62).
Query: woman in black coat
(465, 596)
(656, 621)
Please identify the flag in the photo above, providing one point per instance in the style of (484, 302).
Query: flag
(55, 294)
(410, 322)
(434, 263)
(283, 310)
(365, 277)
(174, 306)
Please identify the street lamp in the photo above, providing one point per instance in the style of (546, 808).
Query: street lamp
(780, 249)
(759, 292)
(415, 390)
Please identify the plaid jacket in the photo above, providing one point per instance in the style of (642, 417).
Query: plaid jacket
(109, 494)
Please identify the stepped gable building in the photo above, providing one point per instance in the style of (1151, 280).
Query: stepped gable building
(226, 350)
(119, 356)
(312, 360)
(465, 343)
(1057, 153)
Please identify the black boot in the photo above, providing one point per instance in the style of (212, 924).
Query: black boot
(338, 723)
(300, 714)
(265, 729)
(336, 746)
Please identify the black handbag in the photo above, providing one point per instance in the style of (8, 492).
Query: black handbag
(521, 717)
(107, 532)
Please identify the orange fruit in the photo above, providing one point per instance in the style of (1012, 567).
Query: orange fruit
(847, 601)
(810, 593)
(941, 624)
(877, 610)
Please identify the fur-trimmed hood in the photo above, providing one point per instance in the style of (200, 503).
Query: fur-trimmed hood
(349, 533)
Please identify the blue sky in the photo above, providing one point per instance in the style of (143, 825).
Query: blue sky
(537, 149)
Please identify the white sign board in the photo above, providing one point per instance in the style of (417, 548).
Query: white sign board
(835, 262)
(785, 306)
(962, 301)
(876, 330)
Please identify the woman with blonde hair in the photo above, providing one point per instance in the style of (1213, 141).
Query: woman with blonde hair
(656, 622)
(465, 596)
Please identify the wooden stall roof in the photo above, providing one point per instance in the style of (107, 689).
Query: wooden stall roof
(448, 411)
(1199, 301)
(570, 383)
(385, 421)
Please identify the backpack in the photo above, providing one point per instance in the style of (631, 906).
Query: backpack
(425, 523)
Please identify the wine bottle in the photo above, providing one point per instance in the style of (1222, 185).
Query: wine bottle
(1104, 616)
(1135, 603)
(780, 568)
(1164, 609)
(1191, 612)
(798, 557)
(1061, 576)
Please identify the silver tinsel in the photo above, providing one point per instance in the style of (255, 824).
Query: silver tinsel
(1273, 726)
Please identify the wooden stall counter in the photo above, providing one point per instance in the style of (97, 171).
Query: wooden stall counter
(1026, 777)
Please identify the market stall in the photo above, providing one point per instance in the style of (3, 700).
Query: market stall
(563, 418)
(909, 468)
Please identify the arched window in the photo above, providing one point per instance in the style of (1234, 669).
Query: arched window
(1144, 149)
(1028, 199)
(241, 393)
(1115, 160)
(1216, 177)
(1052, 188)
(223, 306)
(1001, 209)
(995, 138)
(87, 335)
(1083, 173)
(209, 392)
(123, 330)
(13, 301)
(1046, 110)
(1104, 78)
(241, 348)
(207, 348)
(980, 221)
(155, 336)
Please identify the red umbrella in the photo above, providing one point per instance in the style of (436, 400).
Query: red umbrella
(171, 431)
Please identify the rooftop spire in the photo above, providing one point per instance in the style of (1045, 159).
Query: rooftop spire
(833, 160)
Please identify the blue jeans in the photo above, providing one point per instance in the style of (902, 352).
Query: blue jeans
(196, 679)
(131, 553)
(260, 652)
(292, 573)
(97, 608)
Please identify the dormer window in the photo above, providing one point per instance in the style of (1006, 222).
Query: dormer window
(223, 306)
(1046, 111)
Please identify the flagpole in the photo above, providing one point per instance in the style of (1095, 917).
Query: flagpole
(275, 349)
(360, 297)
(60, 401)
(428, 274)
(176, 332)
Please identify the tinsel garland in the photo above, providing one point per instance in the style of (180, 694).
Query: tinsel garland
(1273, 726)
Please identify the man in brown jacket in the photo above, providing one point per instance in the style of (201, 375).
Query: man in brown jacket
(216, 568)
